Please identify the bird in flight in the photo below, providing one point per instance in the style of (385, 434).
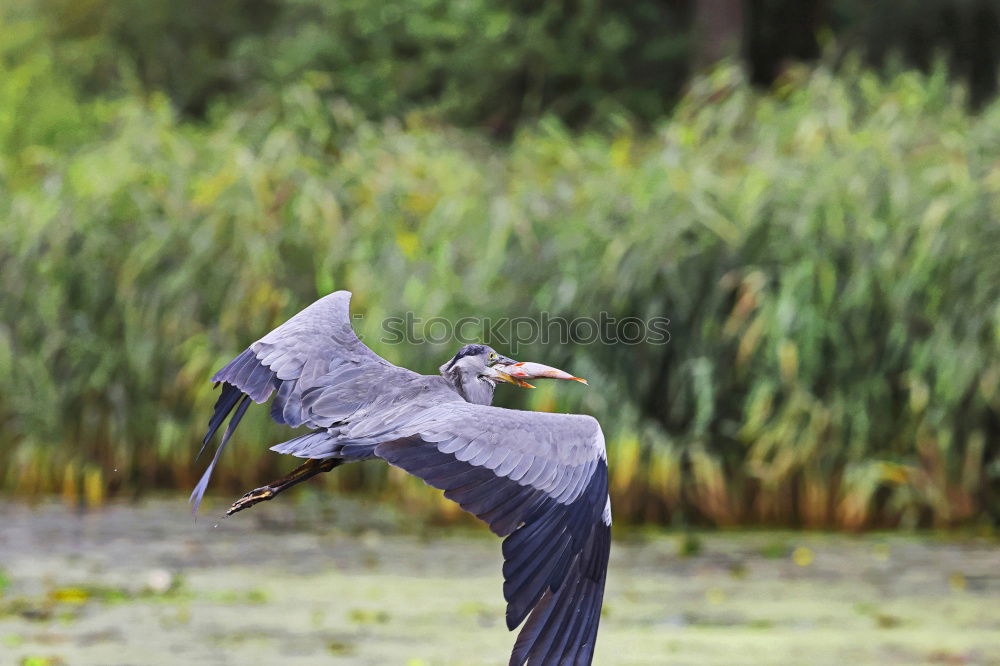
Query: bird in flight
(539, 480)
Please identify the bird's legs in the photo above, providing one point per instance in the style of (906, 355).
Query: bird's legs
(306, 470)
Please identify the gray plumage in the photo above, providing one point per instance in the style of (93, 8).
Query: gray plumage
(538, 479)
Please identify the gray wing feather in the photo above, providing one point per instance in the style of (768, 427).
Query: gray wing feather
(541, 481)
(320, 368)
(568, 439)
(315, 349)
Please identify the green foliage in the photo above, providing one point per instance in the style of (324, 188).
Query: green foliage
(472, 62)
(482, 63)
(41, 109)
(826, 255)
(920, 32)
(182, 47)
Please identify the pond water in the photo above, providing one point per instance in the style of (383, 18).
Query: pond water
(291, 584)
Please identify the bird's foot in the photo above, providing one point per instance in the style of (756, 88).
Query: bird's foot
(255, 496)
(306, 470)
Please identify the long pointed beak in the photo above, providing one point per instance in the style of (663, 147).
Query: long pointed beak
(516, 372)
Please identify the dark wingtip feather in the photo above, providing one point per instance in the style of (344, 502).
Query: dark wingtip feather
(199, 490)
(223, 406)
(563, 622)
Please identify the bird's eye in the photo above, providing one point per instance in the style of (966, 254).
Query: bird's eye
(494, 356)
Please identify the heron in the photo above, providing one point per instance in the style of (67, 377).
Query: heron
(539, 480)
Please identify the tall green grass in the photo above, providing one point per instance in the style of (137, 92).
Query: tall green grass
(826, 253)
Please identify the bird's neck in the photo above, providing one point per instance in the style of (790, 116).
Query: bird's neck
(470, 387)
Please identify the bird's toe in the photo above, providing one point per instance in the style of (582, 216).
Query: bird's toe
(249, 499)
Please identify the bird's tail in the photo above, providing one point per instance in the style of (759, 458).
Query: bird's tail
(323, 444)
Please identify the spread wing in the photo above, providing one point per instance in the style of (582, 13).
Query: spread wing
(541, 481)
(315, 350)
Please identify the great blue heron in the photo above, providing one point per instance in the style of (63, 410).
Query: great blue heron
(538, 479)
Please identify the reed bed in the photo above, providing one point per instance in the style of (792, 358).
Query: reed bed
(826, 252)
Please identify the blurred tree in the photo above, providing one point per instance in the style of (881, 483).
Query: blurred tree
(485, 63)
(966, 32)
(780, 31)
(496, 64)
(718, 30)
(184, 47)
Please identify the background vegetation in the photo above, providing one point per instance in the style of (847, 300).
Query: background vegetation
(173, 184)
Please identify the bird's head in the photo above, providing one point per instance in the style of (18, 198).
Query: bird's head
(483, 362)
